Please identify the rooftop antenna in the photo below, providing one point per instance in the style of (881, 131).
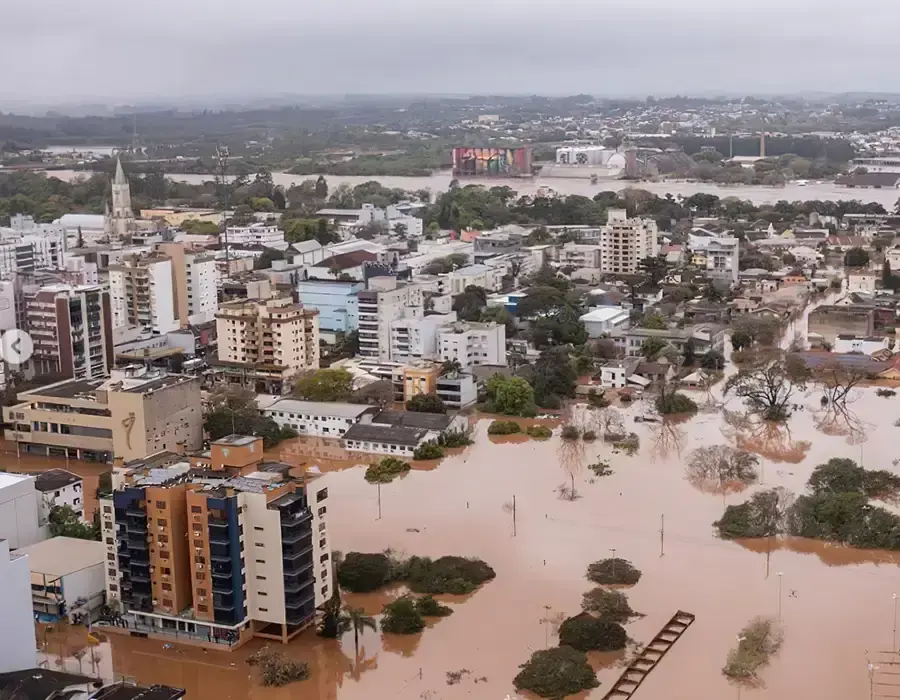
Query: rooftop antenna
(135, 141)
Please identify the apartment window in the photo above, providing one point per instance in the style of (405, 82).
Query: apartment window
(161, 522)
(201, 591)
(260, 578)
(167, 586)
(202, 608)
(257, 528)
(163, 539)
(263, 593)
(111, 572)
(196, 509)
(259, 544)
(113, 587)
(107, 509)
(198, 543)
(163, 554)
(111, 556)
(260, 561)
(110, 540)
(324, 574)
(322, 542)
(322, 495)
(264, 610)
(323, 558)
(167, 602)
(200, 576)
(322, 511)
(324, 590)
(161, 505)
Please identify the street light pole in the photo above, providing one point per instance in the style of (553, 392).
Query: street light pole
(895, 597)
(780, 576)
(613, 550)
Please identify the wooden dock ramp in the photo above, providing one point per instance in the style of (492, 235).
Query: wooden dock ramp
(650, 656)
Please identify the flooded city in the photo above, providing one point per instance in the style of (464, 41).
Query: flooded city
(835, 603)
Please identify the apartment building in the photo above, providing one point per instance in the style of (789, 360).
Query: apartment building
(195, 283)
(625, 242)
(258, 233)
(719, 256)
(580, 256)
(704, 337)
(417, 338)
(265, 344)
(134, 413)
(142, 293)
(219, 552)
(385, 301)
(473, 344)
(71, 328)
(58, 488)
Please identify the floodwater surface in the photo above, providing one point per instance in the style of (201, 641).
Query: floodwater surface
(836, 604)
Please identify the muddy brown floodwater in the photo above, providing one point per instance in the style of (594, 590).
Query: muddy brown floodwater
(836, 604)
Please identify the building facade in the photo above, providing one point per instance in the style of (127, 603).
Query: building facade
(473, 344)
(719, 256)
(17, 643)
(386, 301)
(142, 292)
(218, 553)
(18, 510)
(334, 300)
(265, 344)
(71, 328)
(329, 420)
(255, 234)
(195, 283)
(625, 242)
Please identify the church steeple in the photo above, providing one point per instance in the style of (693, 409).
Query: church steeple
(122, 215)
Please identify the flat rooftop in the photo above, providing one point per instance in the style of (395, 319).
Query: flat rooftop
(54, 479)
(74, 388)
(60, 556)
(317, 408)
(236, 440)
(7, 479)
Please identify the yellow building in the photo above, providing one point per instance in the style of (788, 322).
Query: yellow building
(265, 344)
(176, 217)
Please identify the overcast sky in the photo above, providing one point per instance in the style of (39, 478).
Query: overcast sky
(117, 51)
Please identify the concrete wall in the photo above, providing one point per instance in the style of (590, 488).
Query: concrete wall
(18, 511)
(17, 643)
(265, 573)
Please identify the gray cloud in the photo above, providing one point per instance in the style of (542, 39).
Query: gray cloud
(127, 50)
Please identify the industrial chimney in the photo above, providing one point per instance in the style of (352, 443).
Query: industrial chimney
(762, 144)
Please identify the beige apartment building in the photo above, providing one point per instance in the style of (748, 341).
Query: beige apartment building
(625, 242)
(134, 413)
(265, 344)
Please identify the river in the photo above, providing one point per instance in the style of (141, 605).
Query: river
(440, 181)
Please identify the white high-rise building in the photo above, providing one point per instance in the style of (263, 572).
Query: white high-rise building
(18, 511)
(17, 643)
(195, 274)
(142, 293)
(473, 344)
(625, 242)
(385, 301)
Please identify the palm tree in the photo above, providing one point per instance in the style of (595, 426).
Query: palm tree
(451, 368)
(357, 620)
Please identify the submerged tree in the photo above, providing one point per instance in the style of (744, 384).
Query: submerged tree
(556, 673)
(757, 643)
(767, 385)
(837, 380)
(356, 619)
(764, 515)
(721, 468)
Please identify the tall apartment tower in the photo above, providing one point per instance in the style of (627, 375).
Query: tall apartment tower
(218, 552)
(142, 292)
(194, 277)
(385, 301)
(625, 242)
(71, 328)
(265, 344)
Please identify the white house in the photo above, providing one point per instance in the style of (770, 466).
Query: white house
(861, 282)
(604, 319)
(67, 579)
(17, 643)
(330, 420)
(57, 487)
(266, 235)
(399, 433)
(18, 510)
(866, 346)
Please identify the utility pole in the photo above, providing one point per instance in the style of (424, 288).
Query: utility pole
(662, 535)
(780, 576)
(514, 515)
(894, 645)
(224, 188)
(379, 503)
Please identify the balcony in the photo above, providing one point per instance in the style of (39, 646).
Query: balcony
(222, 584)
(296, 586)
(294, 535)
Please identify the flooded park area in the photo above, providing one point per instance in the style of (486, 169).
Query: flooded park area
(835, 603)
